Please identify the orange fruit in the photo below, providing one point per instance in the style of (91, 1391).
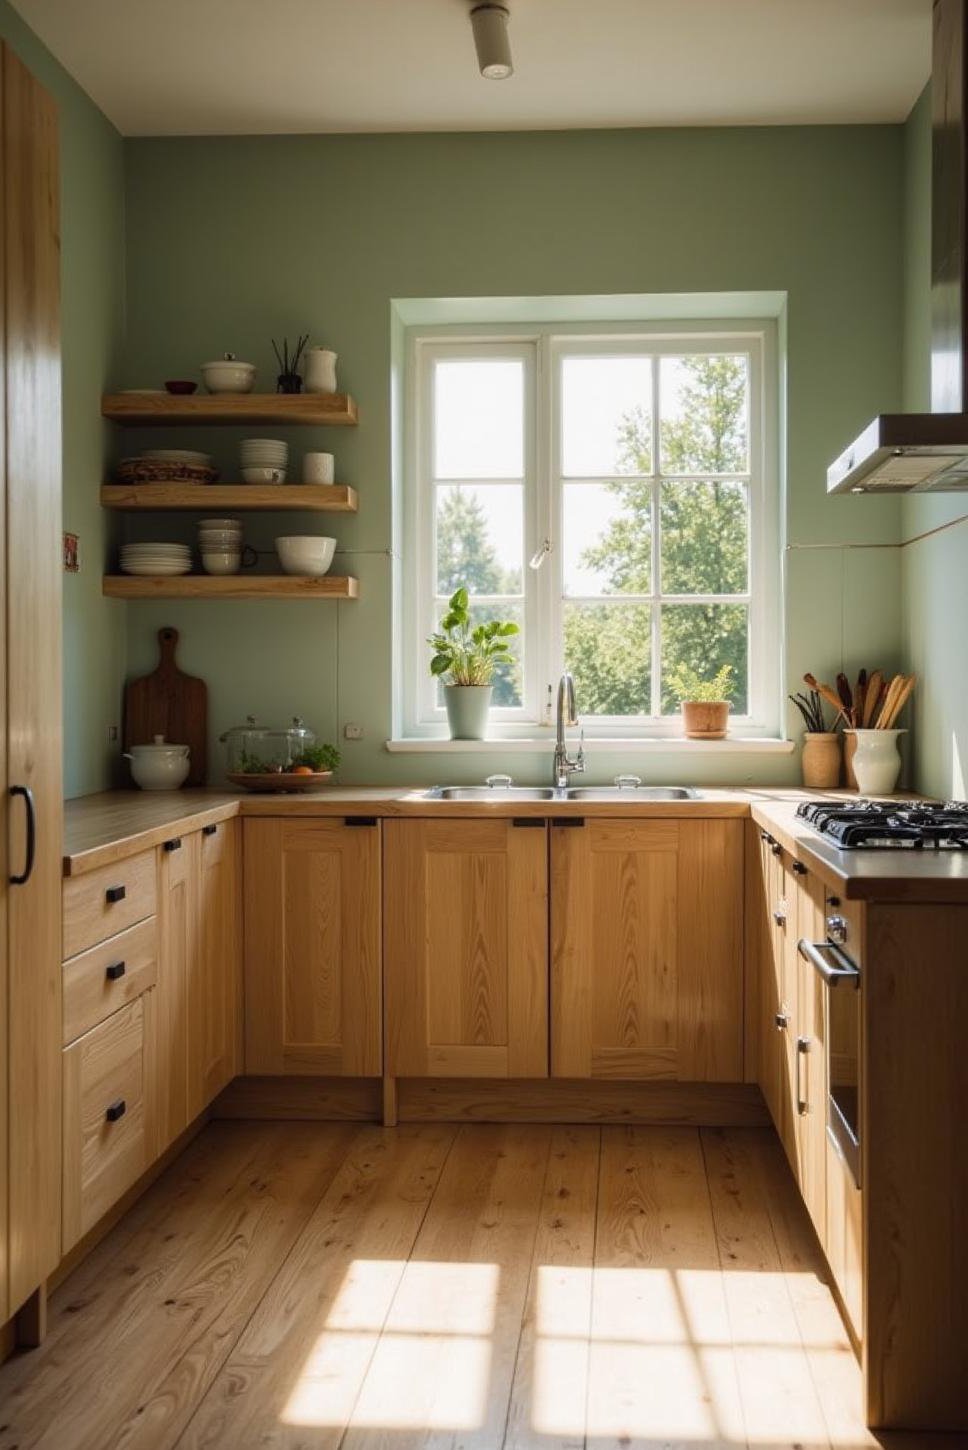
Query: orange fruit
(302, 770)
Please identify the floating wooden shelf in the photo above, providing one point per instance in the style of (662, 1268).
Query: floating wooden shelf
(335, 498)
(228, 586)
(142, 410)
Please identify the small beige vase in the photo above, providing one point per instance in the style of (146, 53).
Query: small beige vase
(820, 760)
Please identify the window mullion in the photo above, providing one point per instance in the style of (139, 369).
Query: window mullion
(656, 614)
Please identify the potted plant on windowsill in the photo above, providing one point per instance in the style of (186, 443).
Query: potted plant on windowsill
(705, 703)
(465, 659)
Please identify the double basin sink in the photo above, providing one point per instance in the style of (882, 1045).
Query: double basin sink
(566, 793)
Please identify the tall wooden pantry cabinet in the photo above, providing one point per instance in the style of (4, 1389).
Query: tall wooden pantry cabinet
(30, 721)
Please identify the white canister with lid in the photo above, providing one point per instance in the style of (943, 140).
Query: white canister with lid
(159, 766)
(320, 370)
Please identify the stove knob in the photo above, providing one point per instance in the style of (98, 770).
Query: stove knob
(837, 929)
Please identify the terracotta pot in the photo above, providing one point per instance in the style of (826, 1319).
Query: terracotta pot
(850, 750)
(820, 761)
(705, 719)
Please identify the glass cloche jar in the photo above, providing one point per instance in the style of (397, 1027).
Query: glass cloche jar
(255, 749)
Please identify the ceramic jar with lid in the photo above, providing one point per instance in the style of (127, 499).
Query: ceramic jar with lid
(160, 765)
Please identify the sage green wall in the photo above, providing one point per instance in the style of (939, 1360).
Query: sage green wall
(233, 240)
(92, 316)
(935, 530)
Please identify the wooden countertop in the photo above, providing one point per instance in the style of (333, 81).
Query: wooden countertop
(100, 829)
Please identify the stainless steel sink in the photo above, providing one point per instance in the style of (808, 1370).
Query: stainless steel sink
(630, 793)
(492, 793)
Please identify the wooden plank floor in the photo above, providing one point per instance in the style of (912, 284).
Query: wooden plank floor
(308, 1285)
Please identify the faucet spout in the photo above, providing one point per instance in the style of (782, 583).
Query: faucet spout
(567, 715)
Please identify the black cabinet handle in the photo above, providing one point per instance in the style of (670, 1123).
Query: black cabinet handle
(776, 848)
(767, 838)
(524, 822)
(209, 830)
(116, 1110)
(173, 845)
(28, 800)
(799, 869)
(565, 822)
(115, 971)
(115, 894)
(359, 820)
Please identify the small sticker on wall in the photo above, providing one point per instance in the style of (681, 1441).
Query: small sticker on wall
(72, 561)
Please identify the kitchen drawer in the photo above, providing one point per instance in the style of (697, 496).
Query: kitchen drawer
(104, 1118)
(108, 976)
(104, 902)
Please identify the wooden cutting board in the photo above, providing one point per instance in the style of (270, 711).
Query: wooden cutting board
(171, 704)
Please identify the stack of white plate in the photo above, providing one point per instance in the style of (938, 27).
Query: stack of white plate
(158, 559)
(264, 460)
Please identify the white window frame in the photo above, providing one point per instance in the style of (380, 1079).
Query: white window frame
(543, 348)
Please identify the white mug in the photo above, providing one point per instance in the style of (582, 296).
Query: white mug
(318, 468)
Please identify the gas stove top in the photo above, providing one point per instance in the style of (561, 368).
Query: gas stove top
(915, 825)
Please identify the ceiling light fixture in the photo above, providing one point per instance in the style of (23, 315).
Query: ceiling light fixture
(490, 26)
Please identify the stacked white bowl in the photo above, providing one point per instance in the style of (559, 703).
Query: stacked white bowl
(264, 460)
(220, 545)
(157, 559)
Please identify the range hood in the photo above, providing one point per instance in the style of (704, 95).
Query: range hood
(928, 452)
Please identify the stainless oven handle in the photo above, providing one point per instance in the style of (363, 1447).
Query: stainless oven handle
(838, 969)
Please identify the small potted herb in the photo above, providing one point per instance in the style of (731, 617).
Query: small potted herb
(705, 703)
(465, 658)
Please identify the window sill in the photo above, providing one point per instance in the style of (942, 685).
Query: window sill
(653, 745)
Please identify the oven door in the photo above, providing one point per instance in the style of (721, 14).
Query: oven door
(841, 979)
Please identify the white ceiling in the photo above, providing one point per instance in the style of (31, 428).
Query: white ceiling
(188, 67)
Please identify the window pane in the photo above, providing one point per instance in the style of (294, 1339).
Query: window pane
(608, 649)
(607, 537)
(479, 418)
(480, 538)
(606, 416)
(704, 538)
(699, 639)
(508, 677)
(704, 413)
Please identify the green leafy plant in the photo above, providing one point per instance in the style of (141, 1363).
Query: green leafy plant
(468, 655)
(318, 758)
(691, 686)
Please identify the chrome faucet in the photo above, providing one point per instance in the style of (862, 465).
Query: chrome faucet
(565, 765)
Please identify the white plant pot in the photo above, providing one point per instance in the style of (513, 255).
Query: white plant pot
(877, 761)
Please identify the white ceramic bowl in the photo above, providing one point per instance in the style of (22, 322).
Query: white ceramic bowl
(264, 475)
(221, 561)
(228, 377)
(159, 766)
(305, 554)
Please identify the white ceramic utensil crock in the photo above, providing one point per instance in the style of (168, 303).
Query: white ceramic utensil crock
(877, 761)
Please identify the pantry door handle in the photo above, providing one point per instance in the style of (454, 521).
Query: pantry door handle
(28, 800)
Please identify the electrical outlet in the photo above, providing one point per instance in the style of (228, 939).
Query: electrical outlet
(353, 732)
(72, 558)
(112, 734)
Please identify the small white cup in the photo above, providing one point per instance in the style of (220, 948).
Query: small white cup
(319, 468)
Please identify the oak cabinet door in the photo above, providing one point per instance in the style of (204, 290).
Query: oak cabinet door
(215, 970)
(312, 947)
(168, 1032)
(466, 948)
(811, 1069)
(647, 950)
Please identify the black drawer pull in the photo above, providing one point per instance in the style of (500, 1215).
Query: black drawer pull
(115, 894)
(209, 830)
(767, 838)
(359, 820)
(115, 971)
(523, 822)
(116, 1110)
(799, 869)
(776, 848)
(566, 822)
(173, 845)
